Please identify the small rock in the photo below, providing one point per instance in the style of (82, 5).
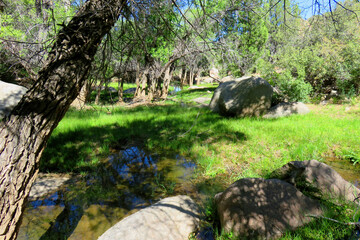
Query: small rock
(173, 218)
(46, 184)
(10, 95)
(286, 109)
(130, 90)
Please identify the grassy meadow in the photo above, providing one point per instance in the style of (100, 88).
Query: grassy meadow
(225, 149)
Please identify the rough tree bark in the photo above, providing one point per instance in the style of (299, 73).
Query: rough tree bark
(121, 89)
(24, 134)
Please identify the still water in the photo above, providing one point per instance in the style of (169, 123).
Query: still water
(87, 206)
(345, 168)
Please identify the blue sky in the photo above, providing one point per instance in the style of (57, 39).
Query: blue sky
(309, 8)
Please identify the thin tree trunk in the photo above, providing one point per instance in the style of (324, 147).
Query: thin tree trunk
(143, 83)
(121, 89)
(25, 132)
(191, 79)
(98, 91)
(167, 79)
(151, 87)
(80, 101)
(180, 74)
(137, 80)
(183, 80)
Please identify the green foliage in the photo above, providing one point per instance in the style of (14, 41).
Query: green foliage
(351, 155)
(293, 89)
(325, 229)
(26, 31)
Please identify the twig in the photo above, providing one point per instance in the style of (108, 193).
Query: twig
(333, 220)
(182, 135)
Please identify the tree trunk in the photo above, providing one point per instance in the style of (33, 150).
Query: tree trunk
(98, 91)
(137, 80)
(167, 79)
(81, 99)
(191, 79)
(143, 82)
(25, 132)
(183, 80)
(151, 87)
(121, 89)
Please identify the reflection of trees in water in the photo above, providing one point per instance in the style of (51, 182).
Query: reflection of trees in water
(131, 179)
(144, 175)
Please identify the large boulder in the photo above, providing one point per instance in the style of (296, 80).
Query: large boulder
(10, 95)
(317, 180)
(255, 208)
(242, 97)
(173, 218)
(286, 109)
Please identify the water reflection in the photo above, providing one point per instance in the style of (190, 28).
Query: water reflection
(176, 90)
(125, 182)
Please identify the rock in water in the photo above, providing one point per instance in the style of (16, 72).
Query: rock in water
(242, 97)
(286, 109)
(10, 95)
(256, 208)
(173, 218)
(318, 180)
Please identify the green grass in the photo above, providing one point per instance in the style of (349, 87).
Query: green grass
(226, 149)
(324, 229)
(111, 98)
(248, 147)
(187, 95)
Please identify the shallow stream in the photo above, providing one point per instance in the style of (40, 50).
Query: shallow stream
(345, 168)
(85, 207)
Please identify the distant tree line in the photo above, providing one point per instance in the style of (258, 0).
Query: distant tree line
(154, 41)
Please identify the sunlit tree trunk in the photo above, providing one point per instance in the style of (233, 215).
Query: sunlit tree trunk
(26, 131)
(81, 99)
(121, 89)
(98, 90)
(137, 80)
(191, 78)
(143, 82)
(167, 79)
(183, 80)
(152, 80)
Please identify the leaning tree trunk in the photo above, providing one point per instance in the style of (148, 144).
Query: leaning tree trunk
(24, 134)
